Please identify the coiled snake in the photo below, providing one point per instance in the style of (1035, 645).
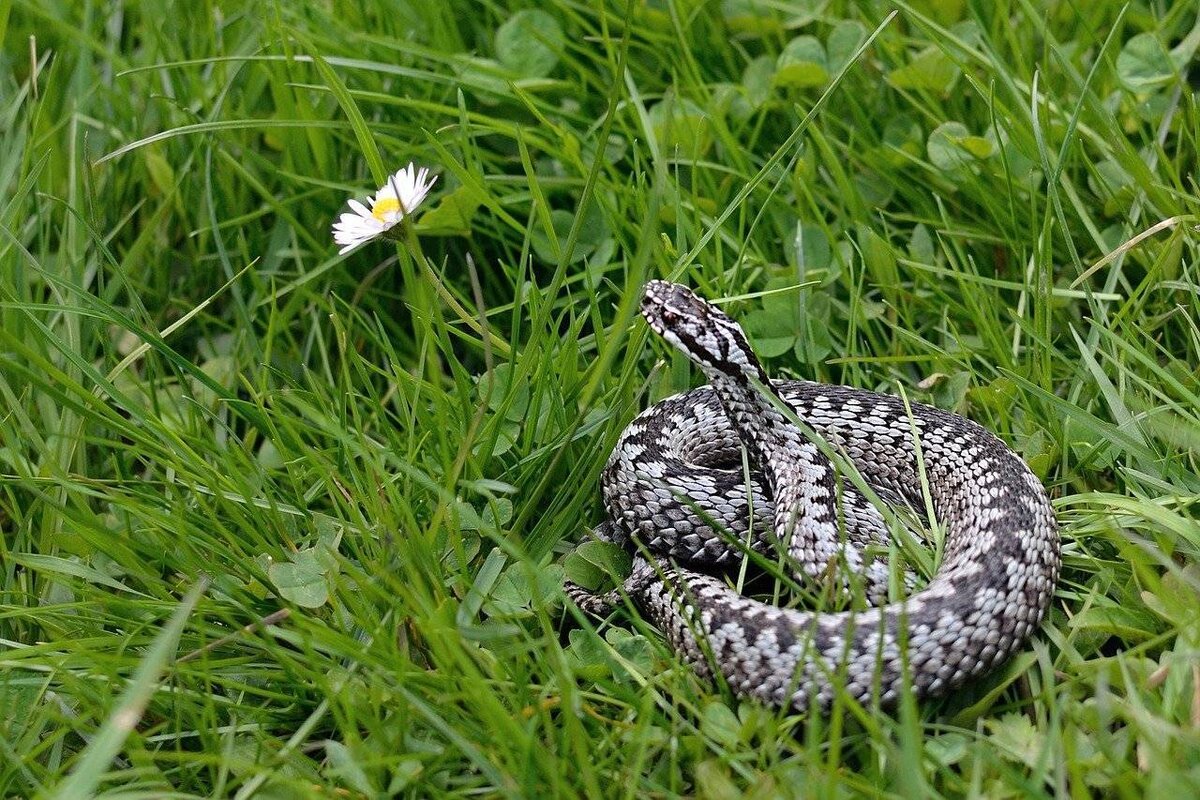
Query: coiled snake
(677, 496)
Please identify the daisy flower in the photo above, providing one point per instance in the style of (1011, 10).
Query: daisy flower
(400, 197)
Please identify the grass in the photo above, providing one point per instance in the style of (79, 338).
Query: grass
(279, 523)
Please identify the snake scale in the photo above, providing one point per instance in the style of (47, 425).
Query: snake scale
(677, 496)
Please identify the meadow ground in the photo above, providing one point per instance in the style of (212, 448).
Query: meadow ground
(282, 523)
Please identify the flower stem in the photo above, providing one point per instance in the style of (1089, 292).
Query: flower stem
(463, 316)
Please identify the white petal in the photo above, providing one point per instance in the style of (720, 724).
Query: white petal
(359, 208)
(368, 225)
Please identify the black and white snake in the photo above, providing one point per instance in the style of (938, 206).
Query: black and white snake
(677, 496)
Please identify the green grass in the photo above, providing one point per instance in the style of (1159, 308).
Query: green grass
(278, 523)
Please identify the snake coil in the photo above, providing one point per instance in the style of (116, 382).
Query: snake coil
(676, 495)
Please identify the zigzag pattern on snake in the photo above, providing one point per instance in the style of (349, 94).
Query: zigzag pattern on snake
(676, 495)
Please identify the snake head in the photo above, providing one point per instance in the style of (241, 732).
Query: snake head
(703, 332)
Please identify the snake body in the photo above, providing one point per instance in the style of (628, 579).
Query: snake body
(677, 495)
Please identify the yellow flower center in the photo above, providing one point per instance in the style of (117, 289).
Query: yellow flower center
(384, 207)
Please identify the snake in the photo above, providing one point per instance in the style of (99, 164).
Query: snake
(698, 479)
